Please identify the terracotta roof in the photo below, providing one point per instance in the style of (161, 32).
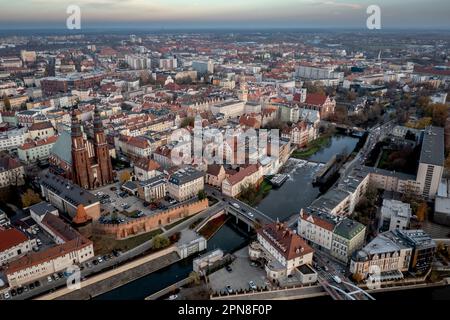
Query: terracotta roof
(40, 126)
(289, 244)
(322, 223)
(147, 164)
(59, 227)
(33, 144)
(10, 238)
(214, 169)
(36, 258)
(242, 173)
(315, 99)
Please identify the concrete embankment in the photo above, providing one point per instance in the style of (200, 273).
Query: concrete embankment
(118, 277)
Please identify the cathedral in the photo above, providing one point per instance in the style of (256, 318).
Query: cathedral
(90, 168)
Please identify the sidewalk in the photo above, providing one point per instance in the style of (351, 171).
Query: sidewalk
(109, 280)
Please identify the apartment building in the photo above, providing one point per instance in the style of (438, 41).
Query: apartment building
(431, 163)
(250, 175)
(185, 183)
(13, 244)
(281, 250)
(36, 150)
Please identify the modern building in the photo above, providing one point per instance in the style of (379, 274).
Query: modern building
(229, 108)
(395, 215)
(431, 163)
(185, 183)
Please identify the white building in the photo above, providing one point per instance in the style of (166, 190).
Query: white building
(395, 215)
(14, 244)
(36, 150)
(281, 249)
(185, 183)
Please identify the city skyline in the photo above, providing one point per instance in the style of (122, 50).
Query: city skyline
(174, 14)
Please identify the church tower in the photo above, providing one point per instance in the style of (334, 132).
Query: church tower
(102, 151)
(81, 170)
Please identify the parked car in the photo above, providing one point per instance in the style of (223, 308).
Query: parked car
(49, 279)
(6, 295)
(173, 297)
(229, 289)
(252, 285)
(228, 268)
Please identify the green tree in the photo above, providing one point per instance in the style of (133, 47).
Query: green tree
(187, 122)
(29, 198)
(201, 195)
(160, 242)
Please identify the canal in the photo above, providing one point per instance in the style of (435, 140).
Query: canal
(282, 203)
(298, 192)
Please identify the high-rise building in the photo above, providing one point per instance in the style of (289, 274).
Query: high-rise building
(203, 66)
(431, 164)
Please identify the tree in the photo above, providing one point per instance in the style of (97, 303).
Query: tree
(201, 195)
(6, 102)
(194, 277)
(422, 211)
(187, 122)
(125, 176)
(29, 198)
(439, 114)
(160, 242)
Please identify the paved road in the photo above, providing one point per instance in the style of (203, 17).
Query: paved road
(115, 261)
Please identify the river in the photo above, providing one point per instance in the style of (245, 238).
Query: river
(282, 203)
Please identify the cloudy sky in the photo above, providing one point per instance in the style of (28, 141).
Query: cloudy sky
(226, 13)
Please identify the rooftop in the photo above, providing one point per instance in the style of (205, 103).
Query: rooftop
(433, 146)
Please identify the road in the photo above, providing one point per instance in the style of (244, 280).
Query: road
(115, 261)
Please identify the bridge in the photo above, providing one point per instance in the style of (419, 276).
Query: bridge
(345, 291)
(252, 217)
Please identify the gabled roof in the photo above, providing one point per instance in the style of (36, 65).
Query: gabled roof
(289, 244)
(10, 238)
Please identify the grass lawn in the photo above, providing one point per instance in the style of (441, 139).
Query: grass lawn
(313, 147)
(170, 226)
(105, 244)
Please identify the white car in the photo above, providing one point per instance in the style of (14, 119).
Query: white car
(6, 295)
(49, 279)
(252, 285)
(251, 215)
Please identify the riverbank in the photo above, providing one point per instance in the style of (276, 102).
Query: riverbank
(312, 148)
(118, 277)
